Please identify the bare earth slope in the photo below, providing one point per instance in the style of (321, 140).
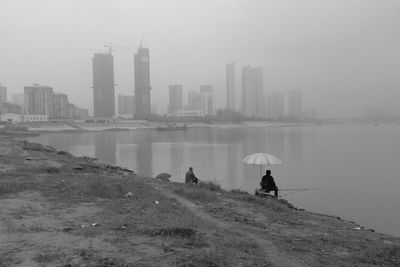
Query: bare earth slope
(60, 210)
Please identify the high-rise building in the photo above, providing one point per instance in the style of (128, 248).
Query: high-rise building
(11, 108)
(275, 106)
(3, 93)
(76, 112)
(230, 86)
(175, 98)
(194, 100)
(206, 96)
(71, 110)
(82, 112)
(61, 106)
(18, 99)
(154, 108)
(126, 104)
(295, 103)
(103, 85)
(39, 100)
(253, 98)
(142, 82)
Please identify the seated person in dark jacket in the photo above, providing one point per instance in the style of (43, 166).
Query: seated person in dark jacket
(190, 177)
(268, 183)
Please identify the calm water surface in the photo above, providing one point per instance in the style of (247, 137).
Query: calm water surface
(356, 165)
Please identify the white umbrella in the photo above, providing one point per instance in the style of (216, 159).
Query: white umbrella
(261, 159)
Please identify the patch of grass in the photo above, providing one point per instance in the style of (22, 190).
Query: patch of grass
(94, 187)
(35, 147)
(186, 237)
(196, 193)
(91, 257)
(62, 152)
(175, 231)
(210, 186)
(196, 241)
(7, 258)
(53, 170)
(210, 259)
(379, 254)
(10, 187)
(269, 202)
(48, 256)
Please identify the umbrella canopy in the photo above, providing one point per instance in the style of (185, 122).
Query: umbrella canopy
(163, 176)
(261, 159)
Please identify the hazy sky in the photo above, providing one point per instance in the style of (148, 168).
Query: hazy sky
(343, 54)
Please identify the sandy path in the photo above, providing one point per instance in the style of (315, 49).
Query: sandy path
(273, 254)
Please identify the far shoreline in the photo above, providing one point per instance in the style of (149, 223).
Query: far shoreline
(116, 127)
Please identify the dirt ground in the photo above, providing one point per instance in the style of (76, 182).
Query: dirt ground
(61, 210)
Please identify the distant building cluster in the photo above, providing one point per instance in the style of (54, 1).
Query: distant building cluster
(254, 100)
(200, 103)
(38, 103)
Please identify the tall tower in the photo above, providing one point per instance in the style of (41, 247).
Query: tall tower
(206, 96)
(253, 99)
(175, 98)
(194, 100)
(142, 82)
(39, 100)
(103, 85)
(295, 103)
(61, 105)
(3, 96)
(275, 105)
(230, 86)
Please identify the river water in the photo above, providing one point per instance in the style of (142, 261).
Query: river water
(353, 168)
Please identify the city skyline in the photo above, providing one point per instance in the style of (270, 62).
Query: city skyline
(351, 61)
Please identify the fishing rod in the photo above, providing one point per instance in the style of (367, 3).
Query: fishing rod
(297, 190)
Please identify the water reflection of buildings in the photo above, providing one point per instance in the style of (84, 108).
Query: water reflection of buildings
(296, 144)
(233, 161)
(105, 146)
(276, 142)
(176, 161)
(144, 155)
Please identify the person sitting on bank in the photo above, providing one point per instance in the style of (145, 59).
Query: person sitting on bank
(190, 177)
(268, 183)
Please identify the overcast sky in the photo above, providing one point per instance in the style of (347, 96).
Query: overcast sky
(343, 54)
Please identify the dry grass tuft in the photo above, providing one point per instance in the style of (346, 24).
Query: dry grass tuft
(10, 187)
(175, 231)
(210, 186)
(53, 170)
(206, 259)
(196, 193)
(378, 254)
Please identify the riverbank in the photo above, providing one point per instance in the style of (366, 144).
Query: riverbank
(57, 209)
(137, 125)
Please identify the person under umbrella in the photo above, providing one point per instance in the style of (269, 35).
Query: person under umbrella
(268, 183)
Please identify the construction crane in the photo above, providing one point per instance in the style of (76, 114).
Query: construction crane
(141, 42)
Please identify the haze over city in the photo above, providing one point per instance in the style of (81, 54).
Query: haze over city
(343, 55)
